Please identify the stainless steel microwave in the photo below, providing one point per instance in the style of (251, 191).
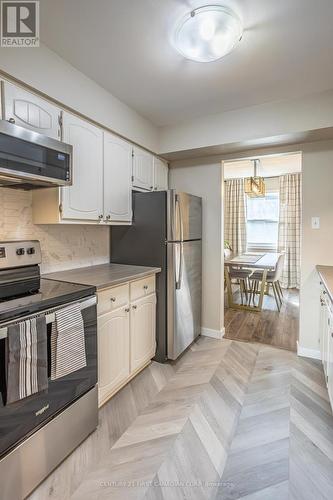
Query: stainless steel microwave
(31, 160)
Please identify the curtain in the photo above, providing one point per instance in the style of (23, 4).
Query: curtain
(235, 215)
(290, 228)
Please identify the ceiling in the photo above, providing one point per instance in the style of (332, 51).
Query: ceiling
(125, 46)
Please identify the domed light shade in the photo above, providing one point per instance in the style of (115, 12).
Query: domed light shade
(208, 33)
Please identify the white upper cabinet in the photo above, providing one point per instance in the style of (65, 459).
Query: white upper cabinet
(161, 172)
(117, 179)
(143, 169)
(84, 199)
(30, 111)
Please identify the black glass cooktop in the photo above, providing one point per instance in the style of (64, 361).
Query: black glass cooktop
(42, 295)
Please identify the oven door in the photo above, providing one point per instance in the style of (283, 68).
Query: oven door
(18, 420)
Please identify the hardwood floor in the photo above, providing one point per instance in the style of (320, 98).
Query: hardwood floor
(217, 424)
(279, 329)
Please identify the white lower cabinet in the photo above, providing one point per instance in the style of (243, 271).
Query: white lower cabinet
(113, 348)
(143, 341)
(126, 335)
(326, 340)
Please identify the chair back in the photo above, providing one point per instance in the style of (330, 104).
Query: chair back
(278, 268)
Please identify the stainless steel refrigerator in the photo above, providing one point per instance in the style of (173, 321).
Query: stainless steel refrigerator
(166, 232)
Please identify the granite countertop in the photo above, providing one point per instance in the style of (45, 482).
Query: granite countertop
(326, 276)
(103, 275)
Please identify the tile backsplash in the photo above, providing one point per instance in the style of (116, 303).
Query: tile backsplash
(64, 246)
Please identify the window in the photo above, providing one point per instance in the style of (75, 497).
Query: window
(263, 222)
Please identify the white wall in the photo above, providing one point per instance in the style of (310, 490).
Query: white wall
(203, 177)
(246, 124)
(63, 246)
(44, 70)
(317, 245)
(205, 180)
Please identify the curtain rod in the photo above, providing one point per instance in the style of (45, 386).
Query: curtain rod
(270, 177)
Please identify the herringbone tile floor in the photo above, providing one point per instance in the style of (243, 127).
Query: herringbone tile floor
(229, 420)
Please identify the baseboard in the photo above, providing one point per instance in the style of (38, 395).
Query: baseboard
(214, 334)
(304, 352)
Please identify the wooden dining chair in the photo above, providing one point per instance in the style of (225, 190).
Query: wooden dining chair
(273, 279)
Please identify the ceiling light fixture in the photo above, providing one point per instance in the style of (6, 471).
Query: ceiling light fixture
(255, 186)
(208, 33)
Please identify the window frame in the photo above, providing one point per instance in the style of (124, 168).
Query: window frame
(251, 246)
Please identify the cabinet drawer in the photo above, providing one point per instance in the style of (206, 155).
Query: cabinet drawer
(111, 299)
(143, 287)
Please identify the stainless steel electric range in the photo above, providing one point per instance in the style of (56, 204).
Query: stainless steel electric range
(37, 432)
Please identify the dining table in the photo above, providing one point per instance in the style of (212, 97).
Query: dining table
(266, 262)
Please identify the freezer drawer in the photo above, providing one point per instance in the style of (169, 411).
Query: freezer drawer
(184, 295)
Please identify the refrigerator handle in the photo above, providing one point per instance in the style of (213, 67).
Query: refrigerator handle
(180, 218)
(180, 267)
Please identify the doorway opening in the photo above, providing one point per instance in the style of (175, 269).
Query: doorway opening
(262, 245)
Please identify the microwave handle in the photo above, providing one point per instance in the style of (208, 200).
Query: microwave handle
(49, 314)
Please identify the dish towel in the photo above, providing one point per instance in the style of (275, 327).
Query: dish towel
(26, 359)
(68, 352)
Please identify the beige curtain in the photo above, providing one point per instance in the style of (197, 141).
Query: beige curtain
(235, 215)
(290, 228)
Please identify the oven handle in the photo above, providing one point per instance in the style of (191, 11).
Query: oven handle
(49, 314)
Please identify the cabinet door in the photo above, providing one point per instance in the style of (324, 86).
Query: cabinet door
(143, 337)
(330, 356)
(322, 328)
(30, 111)
(117, 178)
(84, 199)
(143, 169)
(113, 351)
(161, 172)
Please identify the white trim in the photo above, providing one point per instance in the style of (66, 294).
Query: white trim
(304, 352)
(214, 334)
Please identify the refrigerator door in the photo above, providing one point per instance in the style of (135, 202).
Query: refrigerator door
(143, 244)
(184, 217)
(184, 295)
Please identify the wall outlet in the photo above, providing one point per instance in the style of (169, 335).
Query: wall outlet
(315, 222)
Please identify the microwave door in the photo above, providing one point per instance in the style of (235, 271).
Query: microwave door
(32, 159)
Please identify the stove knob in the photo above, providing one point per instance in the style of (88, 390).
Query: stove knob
(20, 251)
(31, 251)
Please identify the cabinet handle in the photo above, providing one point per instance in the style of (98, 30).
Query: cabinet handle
(108, 217)
(11, 120)
(145, 287)
(134, 307)
(324, 292)
(113, 299)
(126, 309)
(100, 217)
(151, 188)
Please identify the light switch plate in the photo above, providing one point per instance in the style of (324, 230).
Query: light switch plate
(315, 222)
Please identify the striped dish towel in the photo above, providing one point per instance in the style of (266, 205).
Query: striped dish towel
(26, 359)
(68, 352)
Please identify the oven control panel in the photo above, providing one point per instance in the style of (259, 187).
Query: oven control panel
(19, 253)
